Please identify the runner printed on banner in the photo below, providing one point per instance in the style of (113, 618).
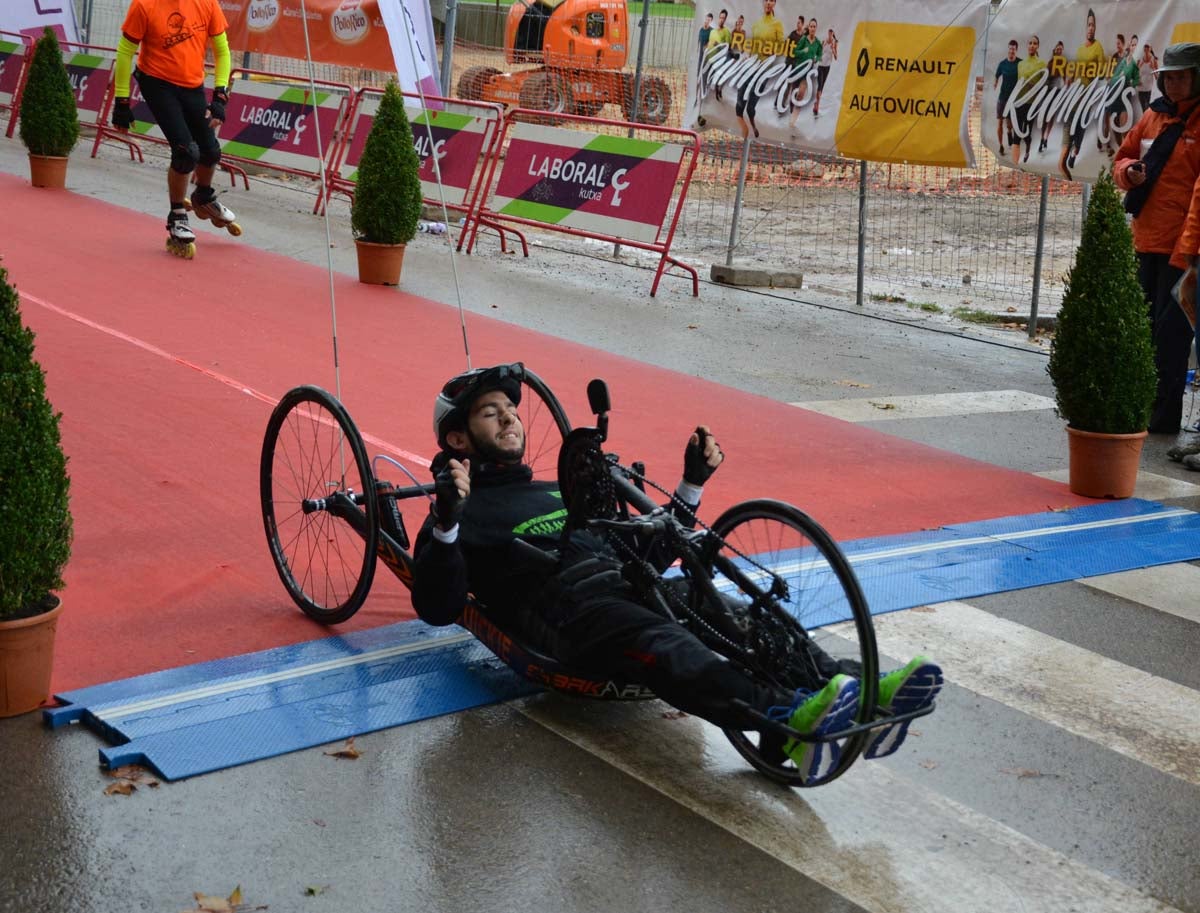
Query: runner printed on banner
(608, 185)
(455, 135)
(1065, 80)
(888, 82)
(272, 124)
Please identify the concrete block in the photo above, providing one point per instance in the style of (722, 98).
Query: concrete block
(755, 278)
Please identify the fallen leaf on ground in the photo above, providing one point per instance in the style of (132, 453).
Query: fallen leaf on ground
(923, 608)
(1021, 773)
(1059, 510)
(210, 903)
(853, 383)
(120, 788)
(884, 405)
(347, 751)
(928, 764)
(693, 326)
(136, 773)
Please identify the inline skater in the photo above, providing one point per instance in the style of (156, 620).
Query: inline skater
(169, 38)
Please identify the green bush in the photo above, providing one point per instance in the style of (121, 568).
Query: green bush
(1102, 355)
(35, 516)
(387, 194)
(49, 119)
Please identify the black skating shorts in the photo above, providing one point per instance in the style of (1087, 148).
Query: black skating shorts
(181, 114)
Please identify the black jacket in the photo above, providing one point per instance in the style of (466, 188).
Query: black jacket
(505, 504)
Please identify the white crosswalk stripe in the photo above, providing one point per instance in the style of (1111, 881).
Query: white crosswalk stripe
(933, 405)
(884, 843)
(887, 842)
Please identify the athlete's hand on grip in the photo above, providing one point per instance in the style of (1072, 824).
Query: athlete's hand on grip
(216, 107)
(702, 456)
(452, 487)
(122, 114)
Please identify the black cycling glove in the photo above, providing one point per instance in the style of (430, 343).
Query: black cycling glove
(216, 107)
(696, 470)
(448, 501)
(122, 114)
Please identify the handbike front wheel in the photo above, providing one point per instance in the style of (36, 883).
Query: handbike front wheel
(313, 465)
(771, 547)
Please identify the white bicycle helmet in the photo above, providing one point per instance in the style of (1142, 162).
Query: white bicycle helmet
(454, 401)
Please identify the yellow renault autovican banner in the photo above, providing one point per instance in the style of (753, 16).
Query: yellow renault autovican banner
(906, 95)
(883, 81)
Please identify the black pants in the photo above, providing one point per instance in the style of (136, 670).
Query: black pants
(1172, 339)
(182, 115)
(622, 639)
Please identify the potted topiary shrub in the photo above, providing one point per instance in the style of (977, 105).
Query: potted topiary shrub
(35, 516)
(387, 193)
(1102, 355)
(49, 118)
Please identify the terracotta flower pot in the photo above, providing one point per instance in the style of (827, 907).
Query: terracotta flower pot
(48, 171)
(1104, 465)
(26, 658)
(379, 264)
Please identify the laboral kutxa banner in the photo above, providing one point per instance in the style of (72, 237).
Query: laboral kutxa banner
(610, 185)
(875, 80)
(1065, 81)
(387, 35)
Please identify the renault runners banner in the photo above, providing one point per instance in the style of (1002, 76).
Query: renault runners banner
(876, 80)
(1065, 81)
(388, 35)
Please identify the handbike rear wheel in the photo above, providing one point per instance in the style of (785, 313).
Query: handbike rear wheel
(312, 453)
(769, 543)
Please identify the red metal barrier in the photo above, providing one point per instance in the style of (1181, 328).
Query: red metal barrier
(464, 134)
(612, 186)
(15, 51)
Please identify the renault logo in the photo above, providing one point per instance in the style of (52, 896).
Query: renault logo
(864, 62)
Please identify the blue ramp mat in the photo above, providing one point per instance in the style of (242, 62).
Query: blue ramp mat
(192, 720)
(188, 721)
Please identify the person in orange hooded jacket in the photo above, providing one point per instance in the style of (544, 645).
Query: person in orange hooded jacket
(1160, 177)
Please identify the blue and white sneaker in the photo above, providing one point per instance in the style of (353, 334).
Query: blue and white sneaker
(913, 687)
(829, 710)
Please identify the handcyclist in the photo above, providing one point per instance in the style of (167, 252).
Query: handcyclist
(580, 608)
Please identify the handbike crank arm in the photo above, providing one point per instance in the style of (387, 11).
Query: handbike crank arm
(766, 724)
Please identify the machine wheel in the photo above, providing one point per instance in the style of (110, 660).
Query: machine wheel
(472, 82)
(655, 105)
(546, 425)
(312, 452)
(546, 91)
(782, 552)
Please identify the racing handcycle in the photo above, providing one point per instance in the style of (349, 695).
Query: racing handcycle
(758, 585)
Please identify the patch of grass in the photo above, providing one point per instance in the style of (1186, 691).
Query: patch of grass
(974, 315)
(927, 306)
(894, 299)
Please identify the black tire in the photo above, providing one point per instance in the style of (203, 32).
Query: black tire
(471, 83)
(547, 91)
(770, 536)
(546, 425)
(655, 107)
(311, 451)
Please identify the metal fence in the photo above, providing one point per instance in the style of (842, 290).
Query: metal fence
(951, 236)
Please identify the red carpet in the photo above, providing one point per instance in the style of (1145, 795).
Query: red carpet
(155, 364)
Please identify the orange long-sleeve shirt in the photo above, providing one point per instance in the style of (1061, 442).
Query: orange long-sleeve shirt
(1162, 225)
